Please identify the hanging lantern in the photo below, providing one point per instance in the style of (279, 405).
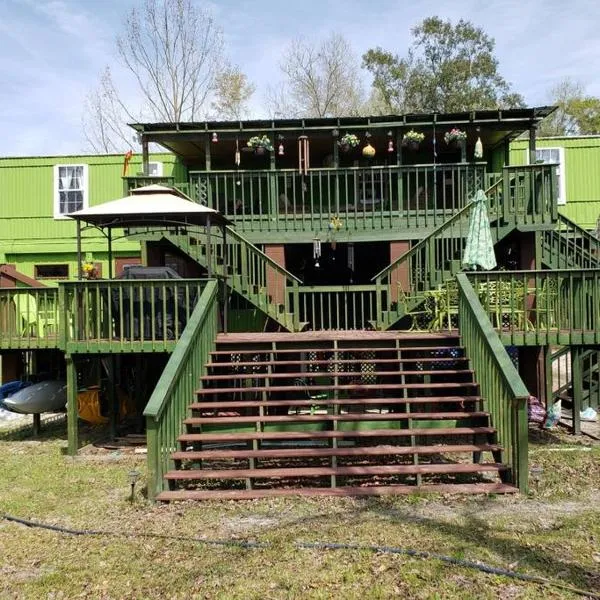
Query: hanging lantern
(390, 146)
(478, 153)
(215, 137)
(280, 149)
(316, 251)
(368, 151)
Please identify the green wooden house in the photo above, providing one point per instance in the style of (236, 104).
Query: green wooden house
(329, 341)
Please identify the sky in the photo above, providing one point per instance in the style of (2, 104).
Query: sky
(53, 51)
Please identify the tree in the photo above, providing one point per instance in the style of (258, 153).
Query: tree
(232, 93)
(319, 80)
(448, 68)
(171, 51)
(576, 113)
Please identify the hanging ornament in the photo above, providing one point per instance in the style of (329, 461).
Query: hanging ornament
(368, 151)
(390, 146)
(215, 137)
(478, 153)
(280, 150)
(237, 158)
(316, 251)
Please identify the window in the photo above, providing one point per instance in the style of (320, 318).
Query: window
(51, 271)
(155, 169)
(70, 189)
(556, 156)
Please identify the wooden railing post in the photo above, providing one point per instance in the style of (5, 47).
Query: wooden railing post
(72, 411)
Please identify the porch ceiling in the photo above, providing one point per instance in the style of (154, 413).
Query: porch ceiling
(188, 140)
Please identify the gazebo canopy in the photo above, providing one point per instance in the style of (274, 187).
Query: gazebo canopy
(150, 205)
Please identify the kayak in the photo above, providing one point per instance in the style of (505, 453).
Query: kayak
(46, 396)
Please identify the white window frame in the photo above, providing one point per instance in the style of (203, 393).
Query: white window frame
(561, 172)
(85, 189)
(159, 168)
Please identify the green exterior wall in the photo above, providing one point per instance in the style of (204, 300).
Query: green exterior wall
(29, 233)
(582, 174)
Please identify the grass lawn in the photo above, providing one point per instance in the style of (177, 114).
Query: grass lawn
(554, 533)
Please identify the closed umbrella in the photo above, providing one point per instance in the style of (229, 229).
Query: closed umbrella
(479, 249)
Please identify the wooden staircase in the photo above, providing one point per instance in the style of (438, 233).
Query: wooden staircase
(336, 413)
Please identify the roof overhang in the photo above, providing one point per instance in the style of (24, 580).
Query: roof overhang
(189, 140)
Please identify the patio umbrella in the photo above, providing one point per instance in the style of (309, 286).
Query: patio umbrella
(479, 249)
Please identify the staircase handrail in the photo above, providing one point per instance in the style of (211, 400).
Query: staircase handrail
(420, 244)
(505, 394)
(586, 235)
(173, 393)
(272, 263)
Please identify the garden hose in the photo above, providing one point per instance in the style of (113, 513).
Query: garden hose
(316, 546)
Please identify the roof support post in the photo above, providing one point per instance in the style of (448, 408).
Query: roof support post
(532, 140)
(208, 248)
(110, 254)
(145, 156)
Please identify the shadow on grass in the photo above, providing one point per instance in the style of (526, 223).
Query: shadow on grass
(473, 532)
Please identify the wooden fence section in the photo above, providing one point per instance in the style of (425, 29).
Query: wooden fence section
(505, 394)
(542, 307)
(30, 318)
(168, 404)
(127, 315)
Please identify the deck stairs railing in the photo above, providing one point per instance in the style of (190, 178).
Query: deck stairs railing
(247, 270)
(168, 405)
(505, 395)
(403, 284)
(569, 246)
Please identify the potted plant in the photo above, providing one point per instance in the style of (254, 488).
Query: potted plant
(455, 137)
(260, 144)
(411, 139)
(347, 141)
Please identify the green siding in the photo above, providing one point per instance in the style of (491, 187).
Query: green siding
(29, 233)
(582, 174)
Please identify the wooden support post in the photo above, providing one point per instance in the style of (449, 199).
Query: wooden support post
(37, 424)
(532, 144)
(577, 380)
(79, 259)
(336, 411)
(113, 409)
(145, 156)
(72, 412)
(224, 280)
(506, 151)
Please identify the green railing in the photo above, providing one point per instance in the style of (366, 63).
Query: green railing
(127, 315)
(504, 393)
(30, 318)
(133, 182)
(569, 246)
(560, 306)
(336, 307)
(174, 391)
(363, 198)
(530, 194)
(247, 270)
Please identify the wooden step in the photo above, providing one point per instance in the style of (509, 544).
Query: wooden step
(344, 336)
(340, 361)
(313, 435)
(355, 387)
(217, 404)
(360, 451)
(312, 374)
(384, 490)
(353, 470)
(224, 420)
(376, 349)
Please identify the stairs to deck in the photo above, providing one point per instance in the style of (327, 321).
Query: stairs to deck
(336, 413)
(247, 270)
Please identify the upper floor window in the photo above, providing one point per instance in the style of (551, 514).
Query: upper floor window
(155, 169)
(555, 156)
(70, 189)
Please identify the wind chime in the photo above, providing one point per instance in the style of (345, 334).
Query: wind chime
(316, 251)
(303, 161)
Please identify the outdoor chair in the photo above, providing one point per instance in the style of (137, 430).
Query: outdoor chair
(34, 320)
(445, 305)
(504, 302)
(546, 303)
(418, 307)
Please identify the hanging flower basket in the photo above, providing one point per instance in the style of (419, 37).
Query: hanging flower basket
(412, 139)
(260, 144)
(455, 138)
(348, 141)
